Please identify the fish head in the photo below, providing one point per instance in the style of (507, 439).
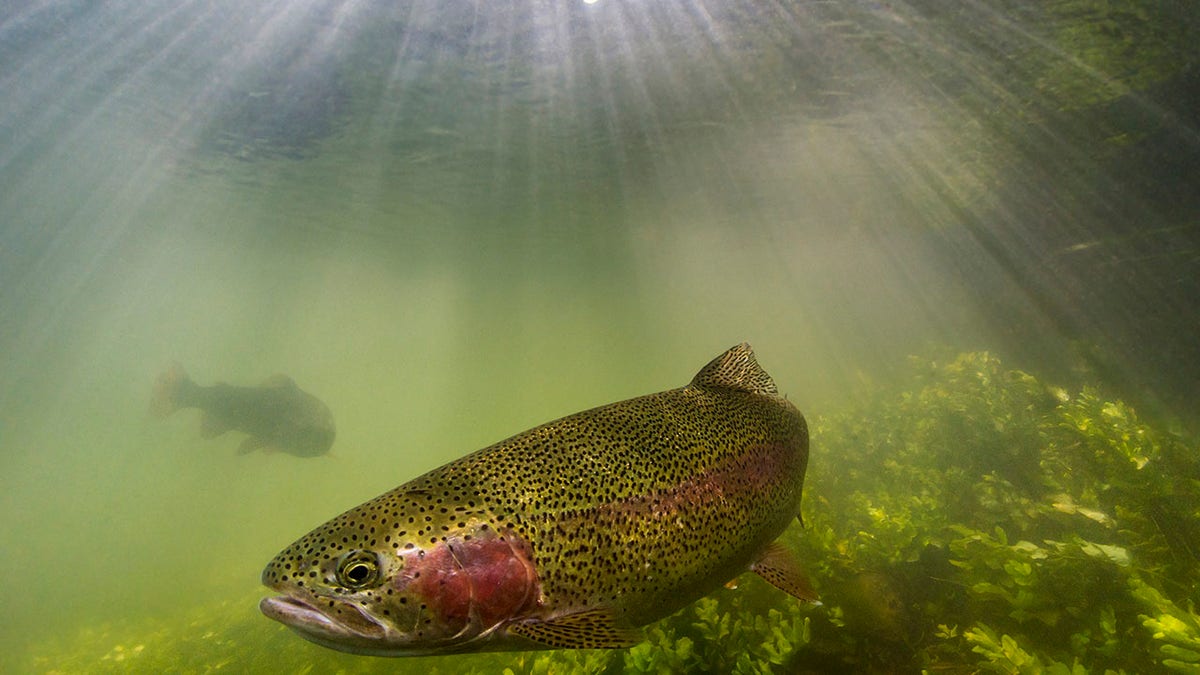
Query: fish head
(387, 591)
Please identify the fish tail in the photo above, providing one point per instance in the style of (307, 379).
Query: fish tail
(168, 391)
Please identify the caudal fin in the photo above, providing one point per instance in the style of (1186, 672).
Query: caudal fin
(166, 397)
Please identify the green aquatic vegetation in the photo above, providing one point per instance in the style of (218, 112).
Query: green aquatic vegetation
(1004, 655)
(977, 520)
(1177, 629)
(725, 632)
(1134, 43)
(1014, 524)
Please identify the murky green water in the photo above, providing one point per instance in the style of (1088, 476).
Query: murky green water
(453, 221)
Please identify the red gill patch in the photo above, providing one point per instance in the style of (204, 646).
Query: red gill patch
(491, 574)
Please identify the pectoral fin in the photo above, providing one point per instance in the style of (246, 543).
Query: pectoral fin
(589, 629)
(779, 567)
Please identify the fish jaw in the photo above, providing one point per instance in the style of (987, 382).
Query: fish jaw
(360, 634)
(343, 625)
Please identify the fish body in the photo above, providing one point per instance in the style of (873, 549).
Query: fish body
(569, 535)
(277, 415)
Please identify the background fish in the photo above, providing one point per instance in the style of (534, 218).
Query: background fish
(277, 415)
(571, 534)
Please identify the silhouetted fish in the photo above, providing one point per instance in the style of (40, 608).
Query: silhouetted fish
(570, 535)
(277, 415)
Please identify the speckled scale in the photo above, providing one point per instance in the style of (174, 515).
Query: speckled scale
(636, 508)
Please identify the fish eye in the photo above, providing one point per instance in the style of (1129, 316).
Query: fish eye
(358, 569)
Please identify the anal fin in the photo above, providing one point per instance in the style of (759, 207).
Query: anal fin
(252, 443)
(778, 566)
(212, 426)
(589, 629)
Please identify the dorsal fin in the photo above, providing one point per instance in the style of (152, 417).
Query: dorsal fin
(278, 380)
(736, 369)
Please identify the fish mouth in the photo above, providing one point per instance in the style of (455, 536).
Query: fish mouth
(340, 625)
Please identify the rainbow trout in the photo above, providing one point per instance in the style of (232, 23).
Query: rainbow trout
(277, 415)
(569, 535)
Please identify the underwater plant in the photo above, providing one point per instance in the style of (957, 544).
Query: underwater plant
(1005, 526)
